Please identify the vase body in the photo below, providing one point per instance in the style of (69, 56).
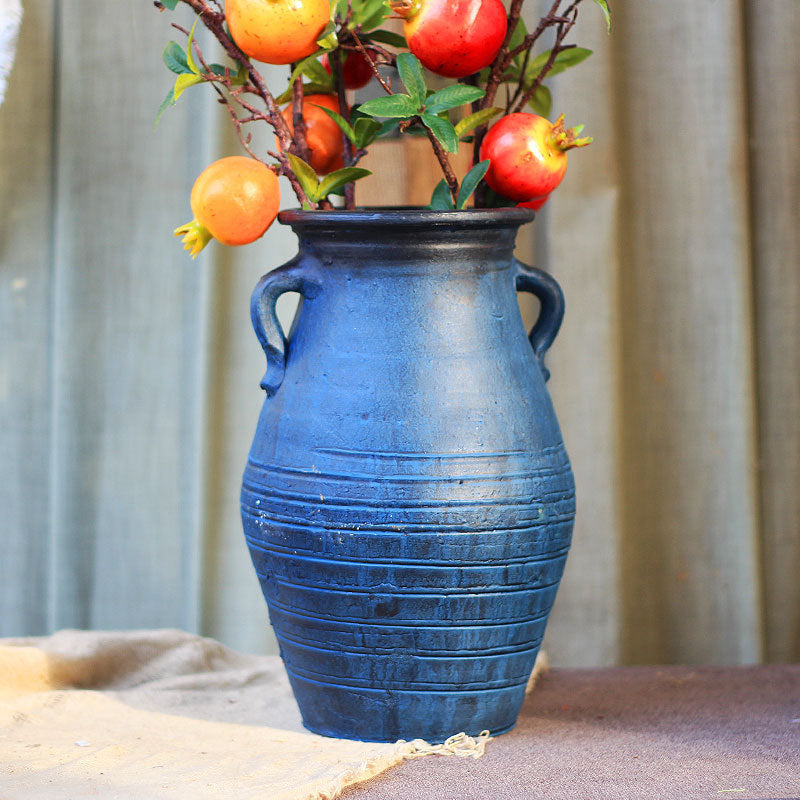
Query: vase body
(408, 502)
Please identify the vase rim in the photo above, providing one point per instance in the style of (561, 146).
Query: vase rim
(412, 216)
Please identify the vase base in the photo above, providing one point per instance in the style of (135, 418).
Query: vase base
(379, 715)
(435, 740)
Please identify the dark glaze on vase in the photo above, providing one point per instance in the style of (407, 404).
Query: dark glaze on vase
(408, 501)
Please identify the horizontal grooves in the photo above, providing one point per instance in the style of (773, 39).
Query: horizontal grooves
(404, 623)
(399, 455)
(470, 654)
(548, 470)
(270, 494)
(437, 527)
(449, 592)
(404, 687)
(299, 553)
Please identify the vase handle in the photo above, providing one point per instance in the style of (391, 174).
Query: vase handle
(546, 289)
(294, 276)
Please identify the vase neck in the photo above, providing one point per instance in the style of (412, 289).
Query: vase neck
(426, 241)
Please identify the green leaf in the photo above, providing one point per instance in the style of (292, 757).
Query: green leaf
(183, 82)
(494, 200)
(339, 178)
(564, 60)
(387, 37)
(340, 9)
(368, 14)
(470, 182)
(305, 174)
(175, 58)
(366, 129)
(411, 74)
(374, 14)
(387, 128)
(169, 100)
(313, 70)
(170, 4)
(393, 105)
(541, 101)
(442, 130)
(340, 121)
(606, 11)
(452, 96)
(520, 32)
(189, 59)
(477, 119)
(328, 39)
(237, 78)
(308, 88)
(419, 131)
(441, 200)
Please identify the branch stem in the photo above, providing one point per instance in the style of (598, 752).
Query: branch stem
(347, 146)
(298, 121)
(444, 162)
(214, 21)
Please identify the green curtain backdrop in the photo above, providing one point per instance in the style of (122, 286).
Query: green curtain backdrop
(129, 374)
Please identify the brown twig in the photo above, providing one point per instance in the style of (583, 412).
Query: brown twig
(214, 21)
(237, 124)
(214, 79)
(444, 162)
(522, 70)
(337, 69)
(501, 59)
(562, 30)
(522, 94)
(391, 60)
(298, 121)
(541, 74)
(496, 74)
(439, 151)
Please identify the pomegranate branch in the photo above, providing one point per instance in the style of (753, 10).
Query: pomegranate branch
(214, 21)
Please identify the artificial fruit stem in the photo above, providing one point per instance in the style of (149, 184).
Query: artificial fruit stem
(561, 138)
(405, 9)
(195, 236)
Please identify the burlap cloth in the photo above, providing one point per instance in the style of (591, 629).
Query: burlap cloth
(164, 714)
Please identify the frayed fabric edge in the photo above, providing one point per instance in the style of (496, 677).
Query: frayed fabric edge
(459, 745)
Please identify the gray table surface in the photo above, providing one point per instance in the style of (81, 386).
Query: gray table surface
(635, 732)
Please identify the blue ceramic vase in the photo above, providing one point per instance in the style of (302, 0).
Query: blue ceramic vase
(408, 501)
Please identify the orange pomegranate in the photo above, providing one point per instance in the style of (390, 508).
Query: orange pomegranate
(277, 31)
(323, 136)
(234, 200)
